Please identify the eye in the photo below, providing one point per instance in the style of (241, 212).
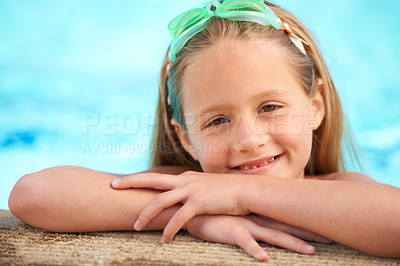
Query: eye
(269, 108)
(217, 122)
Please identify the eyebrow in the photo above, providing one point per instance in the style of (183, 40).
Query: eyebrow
(262, 95)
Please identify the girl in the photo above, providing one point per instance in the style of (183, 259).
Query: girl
(248, 148)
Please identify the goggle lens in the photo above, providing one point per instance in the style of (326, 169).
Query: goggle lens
(185, 20)
(244, 5)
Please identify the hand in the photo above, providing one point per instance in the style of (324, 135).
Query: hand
(199, 193)
(287, 228)
(245, 231)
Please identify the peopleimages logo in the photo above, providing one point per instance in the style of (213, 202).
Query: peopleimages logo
(117, 124)
(133, 124)
(102, 131)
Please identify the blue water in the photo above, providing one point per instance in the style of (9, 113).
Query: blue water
(78, 80)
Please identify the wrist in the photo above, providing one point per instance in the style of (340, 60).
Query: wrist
(251, 192)
(258, 191)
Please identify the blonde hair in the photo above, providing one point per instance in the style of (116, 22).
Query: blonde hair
(327, 154)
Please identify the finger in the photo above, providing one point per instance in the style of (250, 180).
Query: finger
(281, 239)
(157, 205)
(250, 245)
(292, 230)
(182, 216)
(147, 180)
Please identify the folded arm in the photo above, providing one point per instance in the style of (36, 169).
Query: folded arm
(77, 199)
(363, 215)
(349, 208)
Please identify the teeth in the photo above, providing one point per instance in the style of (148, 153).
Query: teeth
(255, 167)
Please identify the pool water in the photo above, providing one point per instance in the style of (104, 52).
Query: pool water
(78, 80)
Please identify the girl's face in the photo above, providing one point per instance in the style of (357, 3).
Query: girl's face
(246, 113)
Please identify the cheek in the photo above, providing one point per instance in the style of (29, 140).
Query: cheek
(212, 155)
(295, 133)
(299, 143)
(296, 124)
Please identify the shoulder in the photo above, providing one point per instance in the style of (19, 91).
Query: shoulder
(345, 176)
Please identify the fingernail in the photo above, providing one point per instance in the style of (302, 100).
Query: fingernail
(163, 240)
(308, 248)
(116, 182)
(137, 225)
(262, 255)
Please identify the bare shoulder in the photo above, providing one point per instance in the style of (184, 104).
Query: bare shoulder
(345, 176)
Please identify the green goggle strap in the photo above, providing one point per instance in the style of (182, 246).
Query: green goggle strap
(186, 25)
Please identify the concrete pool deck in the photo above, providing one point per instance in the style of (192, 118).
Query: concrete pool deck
(21, 244)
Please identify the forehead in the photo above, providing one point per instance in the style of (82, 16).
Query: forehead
(232, 71)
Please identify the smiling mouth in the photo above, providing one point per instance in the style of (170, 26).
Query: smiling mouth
(264, 163)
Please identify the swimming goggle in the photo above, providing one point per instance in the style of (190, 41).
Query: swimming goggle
(183, 27)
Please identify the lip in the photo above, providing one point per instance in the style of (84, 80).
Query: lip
(258, 170)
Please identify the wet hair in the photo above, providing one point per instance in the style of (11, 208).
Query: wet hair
(331, 138)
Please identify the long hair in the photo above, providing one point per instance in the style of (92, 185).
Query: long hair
(327, 153)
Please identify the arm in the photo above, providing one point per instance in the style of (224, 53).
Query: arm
(171, 170)
(363, 215)
(359, 213)
(76, 199)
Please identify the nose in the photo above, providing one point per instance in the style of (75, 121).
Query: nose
(247, 137)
